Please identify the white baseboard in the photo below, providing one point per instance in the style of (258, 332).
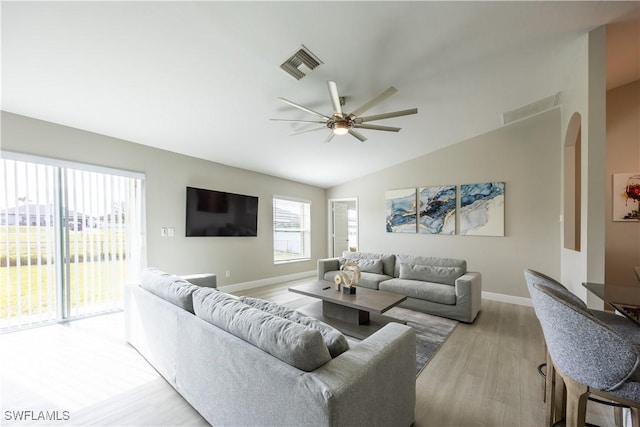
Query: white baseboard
(268, 281)
(507, 298)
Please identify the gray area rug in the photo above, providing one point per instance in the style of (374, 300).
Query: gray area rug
(431, 332)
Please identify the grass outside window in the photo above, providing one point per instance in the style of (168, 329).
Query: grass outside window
(27, 271)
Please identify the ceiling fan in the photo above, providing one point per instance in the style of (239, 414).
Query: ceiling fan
(341, 123)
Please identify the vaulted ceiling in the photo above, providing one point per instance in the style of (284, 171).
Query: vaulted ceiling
(203, 78)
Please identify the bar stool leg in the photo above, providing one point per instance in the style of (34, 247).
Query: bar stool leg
(617, 417)
(635, 417)
(549, 393)
(544, 386)
(560, 405)
(577, 395)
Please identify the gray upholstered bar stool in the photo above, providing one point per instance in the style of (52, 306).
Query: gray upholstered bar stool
(554, 396)
(553, 389)
(620, 324)
(589, 356)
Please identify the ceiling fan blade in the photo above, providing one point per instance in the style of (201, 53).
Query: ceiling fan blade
(374, 101)
(308, 110)
(376, 127)
(297, 121)
(335, 99)
(358, 135)
(308, 130)
(330, 137)
(388, 115)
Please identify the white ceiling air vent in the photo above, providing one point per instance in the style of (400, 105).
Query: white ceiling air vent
(301, 63)
(532, 109)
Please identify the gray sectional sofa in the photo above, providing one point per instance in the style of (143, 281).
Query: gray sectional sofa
(243, 361)
(439, 286)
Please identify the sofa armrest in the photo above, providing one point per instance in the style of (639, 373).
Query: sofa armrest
(152, 328)
(469, 292)
(379, 373)
(327, 264)
(208, 280)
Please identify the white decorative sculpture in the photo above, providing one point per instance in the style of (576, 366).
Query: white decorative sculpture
(349, 276)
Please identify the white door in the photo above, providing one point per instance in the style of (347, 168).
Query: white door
(340, 228)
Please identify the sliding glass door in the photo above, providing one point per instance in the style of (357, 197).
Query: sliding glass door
(72, 236)
(29, 243)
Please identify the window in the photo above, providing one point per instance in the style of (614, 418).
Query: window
(291, 230)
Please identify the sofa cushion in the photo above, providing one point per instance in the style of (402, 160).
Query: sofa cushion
(429, 273)
(433, 261)
(169, 287)
(293, 343)
(335, 341)
(365, 265)
(367, 280)
(370, 266)
(372, 280)
(388, 261)
(434, 292)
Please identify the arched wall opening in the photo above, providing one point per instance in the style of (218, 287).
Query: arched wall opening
(572, 183)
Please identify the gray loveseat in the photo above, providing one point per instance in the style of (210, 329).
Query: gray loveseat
(439, 286)
(243, 361)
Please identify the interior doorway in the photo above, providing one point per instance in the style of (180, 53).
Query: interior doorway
(343, 226)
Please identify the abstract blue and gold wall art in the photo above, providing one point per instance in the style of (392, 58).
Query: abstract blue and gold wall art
(401, 210)
(482, 209)
(437, 210)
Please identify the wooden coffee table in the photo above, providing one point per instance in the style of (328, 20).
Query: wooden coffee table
(358, 315)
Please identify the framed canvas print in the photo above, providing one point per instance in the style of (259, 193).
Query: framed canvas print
(482, 209)
(625, 196)
(437, 210)
(401, 210)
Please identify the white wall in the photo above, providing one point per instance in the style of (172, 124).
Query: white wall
(575, 100)
(526, 156)
(248, 259)
(623, 156)
(596, 158)
(585, 93)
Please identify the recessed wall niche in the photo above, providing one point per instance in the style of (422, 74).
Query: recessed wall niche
(572, 183)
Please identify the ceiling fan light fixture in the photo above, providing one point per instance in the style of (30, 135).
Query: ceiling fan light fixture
(340, 128)
(341, 123)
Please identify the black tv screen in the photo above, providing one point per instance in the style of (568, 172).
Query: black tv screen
(217, 213)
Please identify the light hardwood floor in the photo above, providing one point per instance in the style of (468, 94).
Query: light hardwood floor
(483, 375)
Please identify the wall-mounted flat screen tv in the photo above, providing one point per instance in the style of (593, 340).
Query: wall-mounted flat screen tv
(217, 213)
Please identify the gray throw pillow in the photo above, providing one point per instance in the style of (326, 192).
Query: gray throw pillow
(335, 341)
(428, 273)
(370, 266)
(366, 265)
(388, 261)
(290, 342)
(169, 287)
